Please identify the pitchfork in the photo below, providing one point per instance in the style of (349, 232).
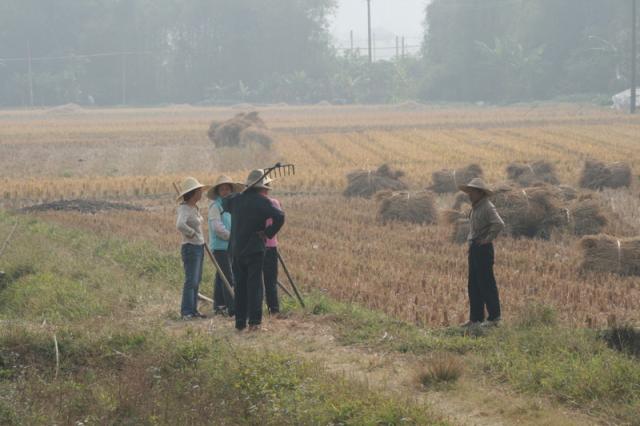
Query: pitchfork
(278, 170)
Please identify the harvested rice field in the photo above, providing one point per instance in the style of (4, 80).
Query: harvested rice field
(334, 244)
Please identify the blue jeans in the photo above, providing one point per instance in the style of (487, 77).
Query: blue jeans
(192, 259)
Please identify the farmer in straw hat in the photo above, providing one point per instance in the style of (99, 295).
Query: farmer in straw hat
(189, 224)
(485, 225)
(250, 212)
(219, 233)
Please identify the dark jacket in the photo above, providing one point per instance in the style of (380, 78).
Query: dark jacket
(249, 213)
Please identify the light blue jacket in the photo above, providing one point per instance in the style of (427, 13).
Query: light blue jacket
(219, 226)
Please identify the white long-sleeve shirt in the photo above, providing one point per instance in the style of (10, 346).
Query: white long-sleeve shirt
(189, 224)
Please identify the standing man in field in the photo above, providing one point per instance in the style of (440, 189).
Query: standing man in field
(485, 225)
(250, 211)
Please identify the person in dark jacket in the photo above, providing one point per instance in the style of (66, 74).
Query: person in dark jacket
(485, 225)
(249, 214)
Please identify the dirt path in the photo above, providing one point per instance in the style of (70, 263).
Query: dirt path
(469, 402)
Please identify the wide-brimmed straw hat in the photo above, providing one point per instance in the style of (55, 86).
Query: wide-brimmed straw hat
(224, 180)
(188, 185)
(256, 174)
(476, 183)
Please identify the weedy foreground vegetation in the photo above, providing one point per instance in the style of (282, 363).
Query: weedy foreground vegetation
(105, 284)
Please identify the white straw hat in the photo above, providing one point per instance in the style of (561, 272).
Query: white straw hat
(476, 183)
(263, 183)
(224, 180)
(188, 185)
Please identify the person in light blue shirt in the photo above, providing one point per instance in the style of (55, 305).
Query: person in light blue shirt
(219, 235)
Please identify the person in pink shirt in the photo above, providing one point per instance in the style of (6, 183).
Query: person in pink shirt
(270, 265)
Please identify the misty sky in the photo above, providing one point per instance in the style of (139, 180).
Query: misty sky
(389, 18)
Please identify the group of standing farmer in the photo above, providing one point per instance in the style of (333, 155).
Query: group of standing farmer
(243, 223)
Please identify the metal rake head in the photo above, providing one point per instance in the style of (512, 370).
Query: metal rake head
(280, 170)
(276, 171)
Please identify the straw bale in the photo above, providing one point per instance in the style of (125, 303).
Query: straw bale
(241, 130)
(531, 212)
(460, 232)
(447, 181)
(527, 175)
(598, 175)
(365, 183)
(254, 135)
(405, 206)
(603, 253)
(460, 200)
(587, 216)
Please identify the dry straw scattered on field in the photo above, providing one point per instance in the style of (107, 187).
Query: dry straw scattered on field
(366, 183)
(406, 206)
(598, 175)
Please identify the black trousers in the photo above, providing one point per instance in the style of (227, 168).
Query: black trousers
(270, 270)
(249, 289)
(222, 296)
(483, 290)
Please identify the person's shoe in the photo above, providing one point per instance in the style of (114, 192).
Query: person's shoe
(490, 323)
(199, 315)
(220, 310)
(255, 328)
(188, 317)
(470, 324)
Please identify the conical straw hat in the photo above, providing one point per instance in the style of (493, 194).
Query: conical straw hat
(224, 180)
(188, 185)
(476, 183)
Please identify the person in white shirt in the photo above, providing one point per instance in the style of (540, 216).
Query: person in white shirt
(189, 224)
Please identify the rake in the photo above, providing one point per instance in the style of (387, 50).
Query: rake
(276, 171)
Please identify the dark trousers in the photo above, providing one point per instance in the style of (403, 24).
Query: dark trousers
(483, 290)
(222, 296)
(249, 289)
(270, 270)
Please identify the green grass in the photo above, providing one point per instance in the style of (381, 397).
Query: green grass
(117, 368)
(534, 355)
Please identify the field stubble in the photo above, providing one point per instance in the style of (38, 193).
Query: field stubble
(411, 272)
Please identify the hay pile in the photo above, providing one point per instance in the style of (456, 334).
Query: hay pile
(460, 200)
(460, 225)
(531, 212)
(242, 130)
(447, 181)
(587, 216)
(598, 175)
(602, 253)
(404, 206)
(527, 175)
(365, 183)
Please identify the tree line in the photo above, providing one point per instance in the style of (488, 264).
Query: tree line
(142, 52)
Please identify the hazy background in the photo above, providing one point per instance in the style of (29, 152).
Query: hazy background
(223, 52)
(389, 18)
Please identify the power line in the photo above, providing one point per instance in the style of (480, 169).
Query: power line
(86, 56)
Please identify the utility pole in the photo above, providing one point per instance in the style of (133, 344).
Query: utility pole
(30, 76)
(351, 36)
(123, 81)
(369, 29)
(397, 48)
(634, 55)
(404, 51)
